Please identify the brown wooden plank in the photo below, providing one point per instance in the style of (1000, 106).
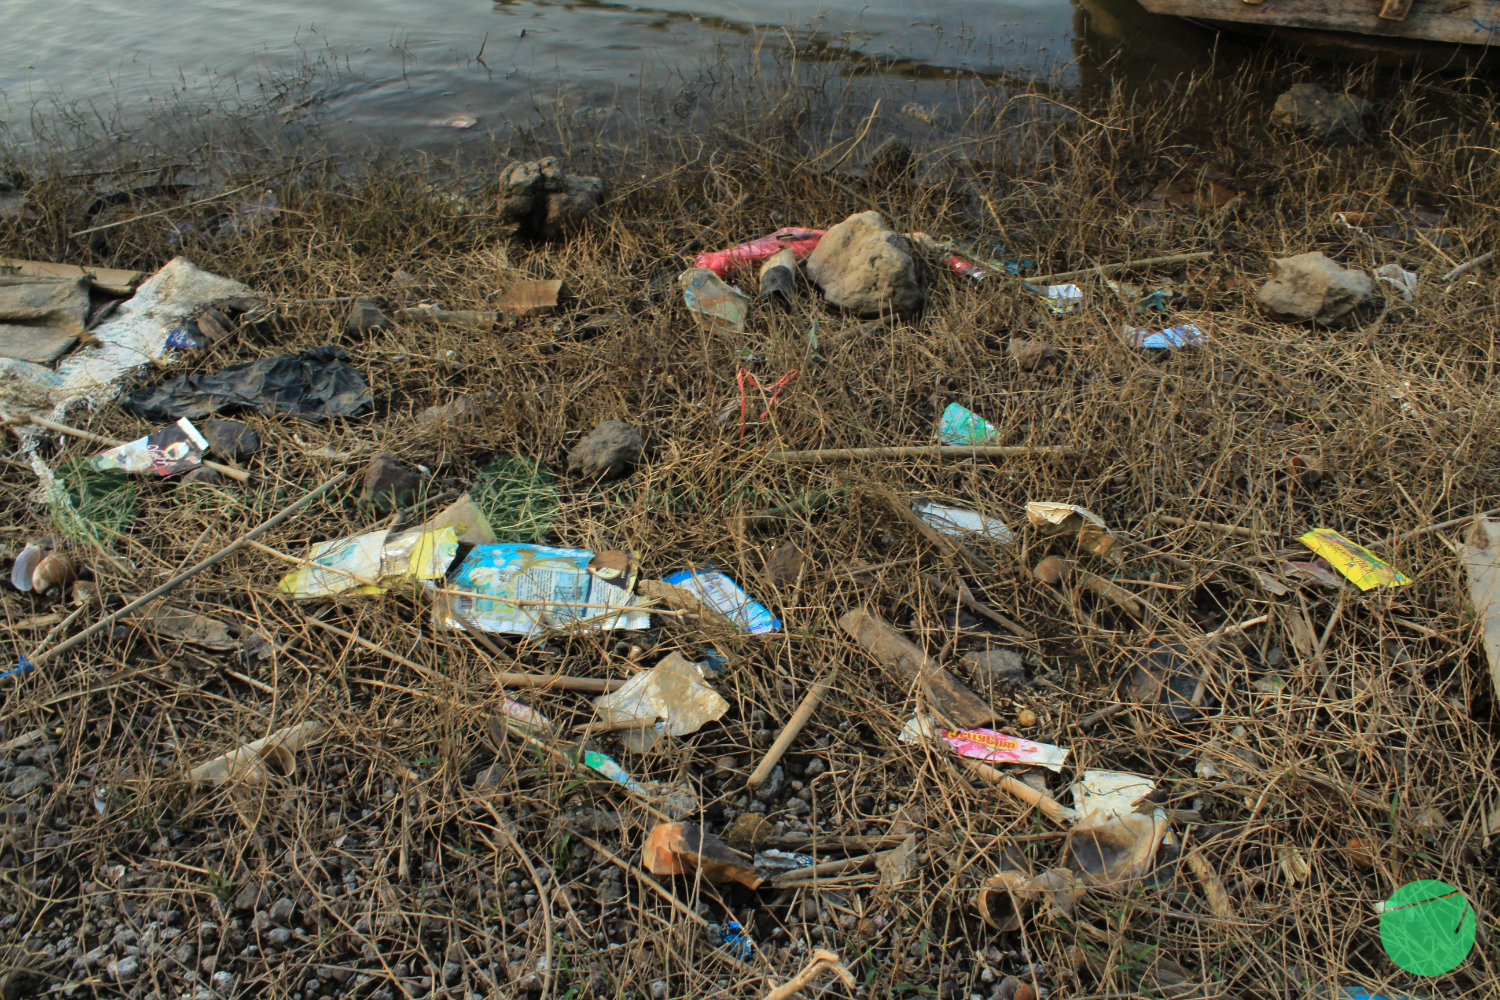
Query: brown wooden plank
(1427, 22)
(109, 280)
(946, 694)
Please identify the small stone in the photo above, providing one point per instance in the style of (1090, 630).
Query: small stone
(864, 267)
(282, 911)
(1029, 355)
(891, 162)
(436, 418)
(1025, 718)
(749, 832)
(25, 780)
(126, 969)
(279, 937)
(365, 316)
(205, 476)
(231, 440)
(659, 989)
(1000, 665)
(1310, 286)
(786, 564)
(1308, 107)
(388, 479)
(223, 981)
(609, 451)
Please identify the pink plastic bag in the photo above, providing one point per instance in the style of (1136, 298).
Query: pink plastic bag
(722, 262)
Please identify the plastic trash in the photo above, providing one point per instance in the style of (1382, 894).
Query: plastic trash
(314, 385)
(716, 304)
(1356, 562)
(985, 744)
(672, 691)
(529, 589)
(960, 426)
(796, 239)
(173, 449)
(723, 595)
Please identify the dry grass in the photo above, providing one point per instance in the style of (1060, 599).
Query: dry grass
(406, 870)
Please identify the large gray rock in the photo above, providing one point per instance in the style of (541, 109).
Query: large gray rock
(864, 267)
(539, 198)
(1311, 286)
(1308, 107)
(609, 450)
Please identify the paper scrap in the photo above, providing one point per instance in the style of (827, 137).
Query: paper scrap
(723, 595)
(672, 691)
(959, 425)
(175, 448)
(528, 589)
(1100, 796)
(1356, 562)
(1481, 555)
(985, 744)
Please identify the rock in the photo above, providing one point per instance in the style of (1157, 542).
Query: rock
(891, 162)
(1030, 354)
(608, 451)
(279, 937)
(206, 476)
(282, 911)
(786, 564)
(539, 199)
(1311, 286)
(25, 780)
(389, 480)
(126, 969)
(1308, 107)
(1000, 665)
(436, 418)
(248, 898)
(231, 440)
(364, 316)
(864, 267)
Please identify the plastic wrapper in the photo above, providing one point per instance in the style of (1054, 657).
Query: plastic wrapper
(716, 304)
(960, 426)
(1058, 298)
(529, 589)
(1168, 338)
(957, 522)
(1356, 562)
(723, 595)
(175, 448)
(986, 744)
(794, 238)
(672, 691)
(369, 563)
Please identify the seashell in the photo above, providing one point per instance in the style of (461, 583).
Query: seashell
(25, 565)
(85, 592)
(54, 572)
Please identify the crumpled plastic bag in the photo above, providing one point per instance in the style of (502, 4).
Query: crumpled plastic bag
(314, 385)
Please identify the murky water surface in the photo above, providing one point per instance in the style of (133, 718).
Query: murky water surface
(401, 68)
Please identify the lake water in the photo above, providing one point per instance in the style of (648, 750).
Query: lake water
(389, 69)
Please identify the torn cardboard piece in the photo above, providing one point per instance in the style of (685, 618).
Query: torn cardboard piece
(1481, 556)
(1067, 518)
(41, 318)
(173, 449)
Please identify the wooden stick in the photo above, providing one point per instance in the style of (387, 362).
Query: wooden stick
(815, 873)
(966, 597)
(109, 620)
(1220, 527)
(228, 470)
(920, 451)
(946, 695)
(561, 682)
(1103, 269)
(1467, 266)
(1050, 807)
(1213, 886)
(821, 960)
(793, 726)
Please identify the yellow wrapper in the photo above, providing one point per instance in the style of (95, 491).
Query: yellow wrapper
(1354, 561)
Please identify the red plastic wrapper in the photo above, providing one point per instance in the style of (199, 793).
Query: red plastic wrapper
(965, 267)
(800, 241)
